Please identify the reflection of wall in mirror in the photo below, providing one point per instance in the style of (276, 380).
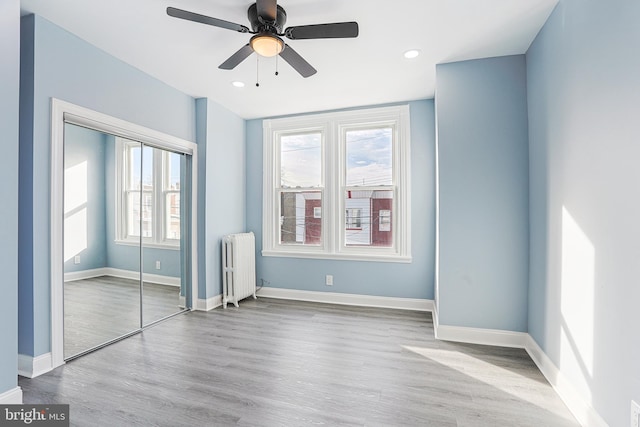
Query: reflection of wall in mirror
(95, 225)
(84, 201)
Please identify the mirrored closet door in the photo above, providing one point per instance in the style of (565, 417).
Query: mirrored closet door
(162, 260)
(125, 237)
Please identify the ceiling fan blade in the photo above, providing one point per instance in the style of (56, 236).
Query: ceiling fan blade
(336, 30)
(237, 58)
(196, 17)
(297, 62)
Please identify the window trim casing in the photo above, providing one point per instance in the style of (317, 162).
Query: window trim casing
(335, 124)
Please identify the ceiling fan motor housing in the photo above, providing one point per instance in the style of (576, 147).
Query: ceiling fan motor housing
(259, 27)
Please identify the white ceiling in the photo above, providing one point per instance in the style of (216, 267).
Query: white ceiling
(367, 70)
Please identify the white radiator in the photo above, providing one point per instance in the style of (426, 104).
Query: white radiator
(238, 267)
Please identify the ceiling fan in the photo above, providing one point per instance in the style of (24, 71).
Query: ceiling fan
(267, 20)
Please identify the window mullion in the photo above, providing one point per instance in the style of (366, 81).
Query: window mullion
(329, 184)
(339, 160)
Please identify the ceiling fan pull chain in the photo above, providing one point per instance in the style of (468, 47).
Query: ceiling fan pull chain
(257, 70)
(276, 65)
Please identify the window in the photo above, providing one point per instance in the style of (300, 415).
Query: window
(148, 205)
(354, 221)
(337, 185)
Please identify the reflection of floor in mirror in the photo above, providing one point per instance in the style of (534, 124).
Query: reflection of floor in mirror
(103, 308)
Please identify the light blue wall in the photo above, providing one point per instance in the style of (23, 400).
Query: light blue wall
(88, 146)
(584, 96)
(413, 280)
(201, 140)
(224, 187)
(127, 257)
(9, 82)
(483, 193)
(65, 67)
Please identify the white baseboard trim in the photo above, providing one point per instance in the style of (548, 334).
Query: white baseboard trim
(209, 303)
(348, 299)
(436, 320)
(579, 407)
(11, 397)
(84, 274)
(31, 367)
(123, 274)
(495, 337)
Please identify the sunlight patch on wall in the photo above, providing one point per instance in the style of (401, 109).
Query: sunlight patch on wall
(75, 210)
(75, 187)
(577, 303)
(75, 234)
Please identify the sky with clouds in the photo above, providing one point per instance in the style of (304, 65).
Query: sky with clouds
(368, 154)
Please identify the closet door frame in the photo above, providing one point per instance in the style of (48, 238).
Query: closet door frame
(64, 112)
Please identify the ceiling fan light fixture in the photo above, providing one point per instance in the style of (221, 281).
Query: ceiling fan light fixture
(266, 44)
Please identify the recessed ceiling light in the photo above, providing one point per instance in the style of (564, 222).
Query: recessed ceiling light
(238, 84)
(410, 54)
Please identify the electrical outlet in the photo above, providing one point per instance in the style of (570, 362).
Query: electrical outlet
(157, 265)
(329, 280)
(635, 414)
(76, 259)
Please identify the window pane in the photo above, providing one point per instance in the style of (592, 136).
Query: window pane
(369, 157)
(147, 214)
(173, 172)
(140, 170)
(301, 218)
(172, 212)
(147, 168)
(147, 191)
(368, 220)
(171, 181)
(139, 177)
(300, 162)
(134, 163)
(134, 213)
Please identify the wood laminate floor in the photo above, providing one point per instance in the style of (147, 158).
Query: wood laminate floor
(289, 363)
(103, 308)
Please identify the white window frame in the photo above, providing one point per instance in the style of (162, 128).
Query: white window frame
(333, 127)
(160, 180)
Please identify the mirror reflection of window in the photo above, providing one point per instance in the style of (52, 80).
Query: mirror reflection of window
(150, 191)
(171, 190)
(139, 190)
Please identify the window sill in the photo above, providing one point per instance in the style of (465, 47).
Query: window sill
(168, 246)
(339, 256)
